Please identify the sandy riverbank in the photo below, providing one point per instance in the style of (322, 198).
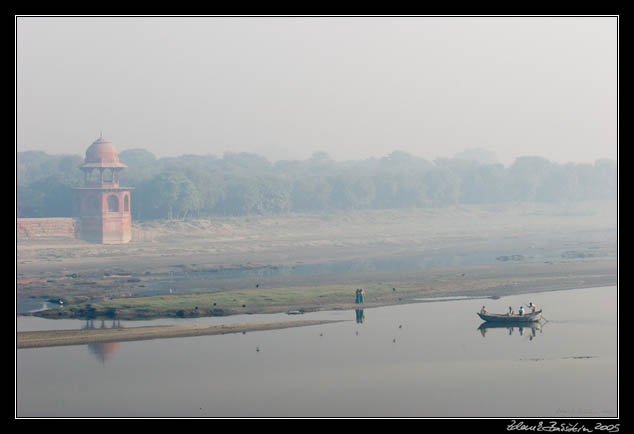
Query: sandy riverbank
(35, 339)
(524, 248)
(336, 291)
(52, 338)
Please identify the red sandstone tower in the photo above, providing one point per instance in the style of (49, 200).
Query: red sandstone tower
(103, 208)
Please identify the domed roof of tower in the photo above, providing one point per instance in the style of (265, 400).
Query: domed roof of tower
(102, 153)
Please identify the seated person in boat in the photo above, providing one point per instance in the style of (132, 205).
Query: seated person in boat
(521, 310)
(483, 311)
(510, 311)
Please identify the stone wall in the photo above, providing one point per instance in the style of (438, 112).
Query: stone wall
(64, 227)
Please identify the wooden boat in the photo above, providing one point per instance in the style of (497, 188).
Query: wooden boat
(515, 318)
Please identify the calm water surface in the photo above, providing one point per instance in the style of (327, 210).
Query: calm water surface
(418, 360)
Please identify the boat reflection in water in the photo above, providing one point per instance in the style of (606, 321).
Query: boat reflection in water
(531, 327)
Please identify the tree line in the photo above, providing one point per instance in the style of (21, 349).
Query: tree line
(245, 183)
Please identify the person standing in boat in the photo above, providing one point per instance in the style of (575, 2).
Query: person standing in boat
(510, 311)
(532, 307)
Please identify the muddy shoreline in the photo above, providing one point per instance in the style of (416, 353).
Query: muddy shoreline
(184, 268)
(336, 292)
(36, 339)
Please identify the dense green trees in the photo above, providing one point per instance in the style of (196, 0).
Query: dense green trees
(169, 194)
(51, 196)
(243, 183)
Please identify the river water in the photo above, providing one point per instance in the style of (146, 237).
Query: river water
(427, 359)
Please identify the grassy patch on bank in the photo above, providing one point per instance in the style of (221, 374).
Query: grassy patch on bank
(259, 300)
(236, 300)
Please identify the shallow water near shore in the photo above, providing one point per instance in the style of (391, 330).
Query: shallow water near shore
(240, 277)
(426, 359)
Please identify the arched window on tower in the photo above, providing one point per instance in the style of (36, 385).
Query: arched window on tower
(108, 175)
(113, 203)
(92, 177)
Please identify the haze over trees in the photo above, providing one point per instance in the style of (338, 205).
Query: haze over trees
(245, 183)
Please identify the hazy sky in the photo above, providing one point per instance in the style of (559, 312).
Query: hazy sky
(354, 87)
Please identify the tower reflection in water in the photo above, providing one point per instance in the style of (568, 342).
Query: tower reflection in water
(531, 329)
(105, 350)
